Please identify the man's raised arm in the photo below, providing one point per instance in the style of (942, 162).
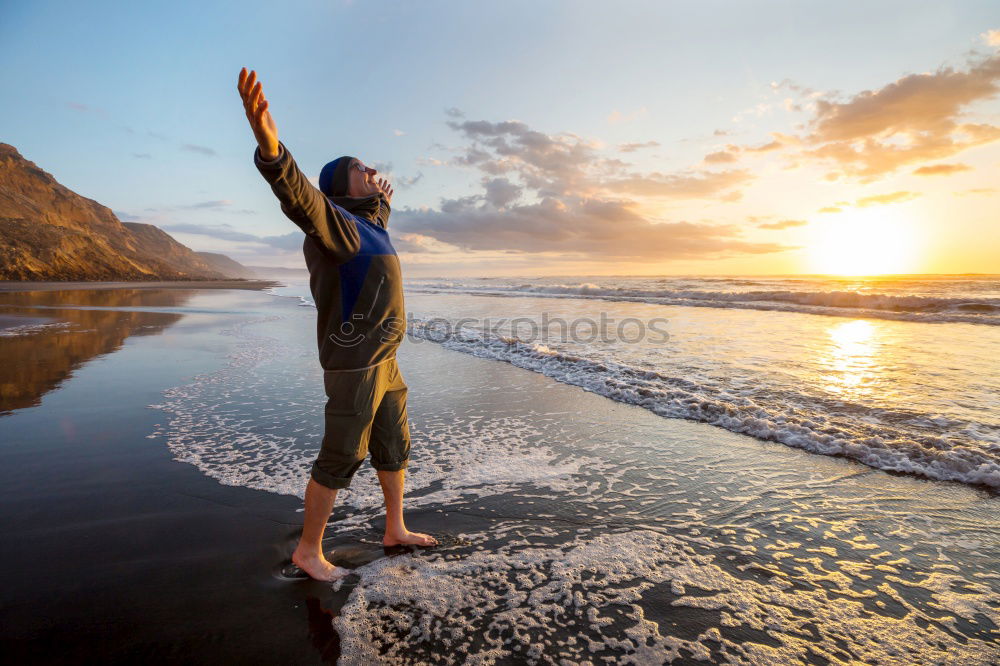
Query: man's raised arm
(302, 203)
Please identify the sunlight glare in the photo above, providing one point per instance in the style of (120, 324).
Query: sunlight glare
(851, 361)
(871, 241)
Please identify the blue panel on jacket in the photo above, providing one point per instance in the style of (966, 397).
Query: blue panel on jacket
(374, 242)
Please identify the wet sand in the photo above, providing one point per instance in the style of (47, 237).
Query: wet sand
(575, 528)
(115, 552)
(25, 285)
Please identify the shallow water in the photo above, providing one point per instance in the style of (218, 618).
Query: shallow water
(874, 374)
(601, 531)
(582, 529)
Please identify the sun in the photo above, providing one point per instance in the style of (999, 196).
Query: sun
(863, 241)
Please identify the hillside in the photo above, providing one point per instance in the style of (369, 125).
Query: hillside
(227, 266)
(49, 232)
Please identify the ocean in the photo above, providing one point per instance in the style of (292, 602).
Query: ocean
(613, 479)
(897, 373)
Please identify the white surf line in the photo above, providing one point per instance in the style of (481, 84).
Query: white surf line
(240, 425)
(988, 316)
(940, 461)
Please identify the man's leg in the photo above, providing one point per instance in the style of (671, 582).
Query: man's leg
(308, 555)
(395, 529)
(390, 447)
(347, 421)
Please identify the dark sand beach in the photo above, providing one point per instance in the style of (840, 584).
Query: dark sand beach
(155, 441)
(14, 285)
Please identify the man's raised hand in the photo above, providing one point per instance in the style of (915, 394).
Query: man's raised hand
(261, 122)
(386, 188)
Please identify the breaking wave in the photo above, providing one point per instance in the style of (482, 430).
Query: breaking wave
(953, 309)
(884, 439)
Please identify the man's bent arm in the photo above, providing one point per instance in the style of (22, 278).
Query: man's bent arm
(307, 207)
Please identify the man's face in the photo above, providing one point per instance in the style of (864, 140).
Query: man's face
(362, 180)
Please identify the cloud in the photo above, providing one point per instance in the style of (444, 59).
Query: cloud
(941, 169)
(789, 104)
(418, 243)
(799, 89)
(222, 231)
(202, 150)
(632, 147)
(127, 217)
(556, 164)
(559, 193)
(991, 37)
(142, 156)
(289, 241)
(757, 110)
(779, 141)
(597, 230)
(977, 190)
(719, 157)
(398, 182)
(565, 164)
(914, 119)
(398, 132)
(872, 200)
(682, 185)
(80, 107)
(218, 205)
(881, 199)
(732, 152)
(616, 117)
(500, 192)
(782, 224)
(404, 182)
(221, 203)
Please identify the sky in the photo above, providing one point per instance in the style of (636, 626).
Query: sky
(537, 138)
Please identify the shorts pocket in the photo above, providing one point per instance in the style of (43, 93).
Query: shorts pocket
(344, 392)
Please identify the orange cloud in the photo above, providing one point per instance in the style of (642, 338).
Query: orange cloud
(941, 169)
(689, 185)
(720, 157)
(880, 199)
(782, 224)
(914, 119)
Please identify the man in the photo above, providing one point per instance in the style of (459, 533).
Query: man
(355, 279)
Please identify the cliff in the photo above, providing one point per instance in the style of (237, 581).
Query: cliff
(49, 232)
(155, 243)
(227, 266)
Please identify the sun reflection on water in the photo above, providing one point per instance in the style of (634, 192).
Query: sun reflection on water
(851, 363)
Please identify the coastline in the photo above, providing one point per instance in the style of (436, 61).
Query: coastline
(559, 503)
(15, 285)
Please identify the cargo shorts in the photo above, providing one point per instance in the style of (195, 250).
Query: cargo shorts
(365, 410)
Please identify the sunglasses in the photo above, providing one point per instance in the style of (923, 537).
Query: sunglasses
(362, 168)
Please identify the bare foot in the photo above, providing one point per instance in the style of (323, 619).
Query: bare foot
(408, 537)
(317, 567)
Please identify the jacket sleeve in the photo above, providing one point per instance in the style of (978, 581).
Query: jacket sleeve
(383, 214)
(329, 225)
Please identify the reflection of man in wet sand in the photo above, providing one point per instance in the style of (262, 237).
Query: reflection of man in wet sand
(357, 286)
